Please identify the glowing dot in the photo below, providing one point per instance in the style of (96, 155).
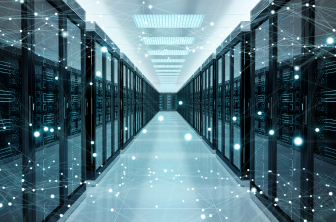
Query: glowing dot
(298, 141)
(22, 180)
(259, 113)
(110, 190)
(52, 196)
(237, 146)
(98, 73)
(180, 102)
(36, 134)
(104, 49)
(150, 6)
(165, 171)
(254, 190)
(296, 77)
(187, 136)
(1, 205)
(272, 11)
(203, 216)
(330, 40)
(160, 118)
(330, 193)
(276, 199)
(56, 77)
(125, 128)
(317, 130)
(297, 68)
(64, 34)
(210, 215)
(133, 157)
(91, 83)
(92, 142)
(234, 118)
(146, 55)
(94, 154)
(212, 24)
(271, 132)
(9, 204)
(112, 209)
(52, 130)
(144, 131)
(45, 128)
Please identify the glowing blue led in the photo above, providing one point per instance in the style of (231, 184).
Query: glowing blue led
(36, 134)
(237, 146)
(298, 141)
(168, 52)
(180, 102)
(168, 66)
(168, 21)
(330, 40)
(165, 70)
(259, 113)
(271, 132)
(169, 40)
(161, 118)
(168, 60)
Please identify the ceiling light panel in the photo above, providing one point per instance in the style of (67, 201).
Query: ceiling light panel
(168, 21)
(168, 52)
(168, 60)
(167, 74)
(168, 66)
(169, 40)
(164, 70)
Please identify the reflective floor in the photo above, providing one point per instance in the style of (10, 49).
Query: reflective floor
(164, 177)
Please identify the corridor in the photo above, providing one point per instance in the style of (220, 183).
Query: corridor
(163, 176)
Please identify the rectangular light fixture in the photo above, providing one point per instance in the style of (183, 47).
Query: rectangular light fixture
(168, 66)
(167, 74)
(168, 52)
(165, 70)
(168, 60)
(168, 40)
(168, 21)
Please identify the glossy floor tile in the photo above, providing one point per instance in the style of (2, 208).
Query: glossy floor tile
(164, 177)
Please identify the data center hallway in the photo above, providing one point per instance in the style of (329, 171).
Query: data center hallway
(164, 177)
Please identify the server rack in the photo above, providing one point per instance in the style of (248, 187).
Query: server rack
(197, 101)
(279, 109)
(234, 69)
(127, 96)
(102, 57)
(208, 100)
(138, 103)
(167, 102)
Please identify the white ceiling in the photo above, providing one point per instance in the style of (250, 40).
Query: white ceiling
(115, 17)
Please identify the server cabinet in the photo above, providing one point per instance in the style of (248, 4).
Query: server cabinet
(127, 76)
(219, 105)
(234, 64)
(167, 102)
(209, 67)
(117, 104)
(13, 146)
(100, 52)
(279, 109)
(321, 116)
(197, 96)
(289, 102)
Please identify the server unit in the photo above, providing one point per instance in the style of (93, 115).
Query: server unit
(233, 61)
(167, 102)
